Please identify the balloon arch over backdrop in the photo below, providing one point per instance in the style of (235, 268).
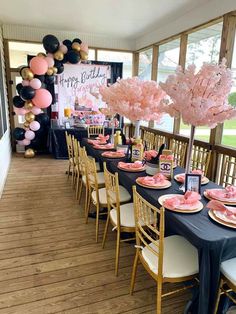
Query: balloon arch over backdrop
(40, 72)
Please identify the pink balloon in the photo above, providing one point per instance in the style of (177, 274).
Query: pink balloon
(25, 83)
(38, 65)
(35, 83)
(50, 61)
(63, 48)
(29, 135)
(34, 125)
(26, 142)
(36, 110)
(84, 47)
(42, 98)
(20, 111)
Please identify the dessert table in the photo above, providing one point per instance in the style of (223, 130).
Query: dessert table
(215, 243)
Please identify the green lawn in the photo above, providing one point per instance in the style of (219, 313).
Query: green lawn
(228, 140)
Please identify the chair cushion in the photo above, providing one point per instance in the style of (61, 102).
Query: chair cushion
(124, 195)
(100, 178)
(126, 215)
(98, 166)
(180, 257)
(228, 269)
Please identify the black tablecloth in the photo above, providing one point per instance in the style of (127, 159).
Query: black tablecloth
(215, 243)
(57, 140)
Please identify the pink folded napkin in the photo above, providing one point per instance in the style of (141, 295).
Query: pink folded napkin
(229, 193)
(96, 142)
(220, 207)
(181, 177)
(106, 146)
(149, 154)
(157, 180)
(134, 165)
(187, 201)
(103, 138)
(113, 154)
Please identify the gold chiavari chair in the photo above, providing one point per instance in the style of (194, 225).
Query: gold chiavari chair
(166, 259)
(82, 182)
(121, 217)
(158, 141)
(228, 172)
(178, 148)
(77, 167)
(70, 155)
(148, 139)
(227, 282)
(94, 130)
(98, 195)
(200, 158)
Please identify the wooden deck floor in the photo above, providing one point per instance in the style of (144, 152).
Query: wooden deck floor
(49, 261)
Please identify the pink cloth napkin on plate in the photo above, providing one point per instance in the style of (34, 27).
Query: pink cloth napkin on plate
(229, 193)
(187, 201)
(181, 176)
(103, 138)
(220, 207)
(157, 180)
(120, 153)
(134, 165)
(106, 146)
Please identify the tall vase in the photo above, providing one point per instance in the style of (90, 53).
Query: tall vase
(112, 130)
(190, 148)
(137, 129)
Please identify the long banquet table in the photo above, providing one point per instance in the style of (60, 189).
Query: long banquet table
(215, 243)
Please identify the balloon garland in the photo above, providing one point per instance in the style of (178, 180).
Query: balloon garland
(32, 94)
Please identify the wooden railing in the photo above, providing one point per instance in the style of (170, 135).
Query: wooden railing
(218, 155)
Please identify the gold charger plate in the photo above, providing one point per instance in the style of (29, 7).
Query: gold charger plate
(203, 182)
(176, 210)
(112, 157)
(132, 170)
(211, 198)
(154, 187)
(220, 221)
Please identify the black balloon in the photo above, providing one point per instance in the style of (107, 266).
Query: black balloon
(40, 77)
(49, 79)
(73, 56)
(19, 87)
(77, 40)
(23, 67)
(42, 118)
(50, 43)
(18, 102)
(19, 134)
(65, 59)
(27, 93)
(67, 43)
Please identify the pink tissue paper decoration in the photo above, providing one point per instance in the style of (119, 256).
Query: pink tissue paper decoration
(200, 99)
(134, 99)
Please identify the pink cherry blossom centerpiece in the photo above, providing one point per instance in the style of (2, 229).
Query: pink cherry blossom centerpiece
(200, 99)
(134, 99)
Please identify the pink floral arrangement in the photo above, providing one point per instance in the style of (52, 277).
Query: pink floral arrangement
(150, 154)
(200, 98)
(134, 99)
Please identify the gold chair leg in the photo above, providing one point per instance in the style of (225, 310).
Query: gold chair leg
(97, 221)
(88, 207)
(159, 293)
(117, 252)
(86, 200)
(105, 231)
(218, 297)
(77, 187)
(80, 190)
(134, 272)
(68, 175)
